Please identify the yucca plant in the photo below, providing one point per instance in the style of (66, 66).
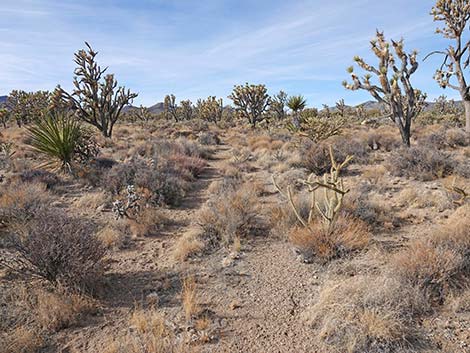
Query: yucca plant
(56, 137)
(296, 104)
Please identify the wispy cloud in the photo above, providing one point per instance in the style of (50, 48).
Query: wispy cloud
(195, 49)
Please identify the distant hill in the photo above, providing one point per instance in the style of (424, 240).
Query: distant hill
(154, 109)
(3, 99)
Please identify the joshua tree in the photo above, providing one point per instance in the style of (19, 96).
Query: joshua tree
(26, 107)
(141, 114)
(394, 89)
(455, 14)
(278, 104)
(296, 104)
(170, 107)
(4, 116)
(250, 101)
(186, 110)
(96, 99)
(210, 109)
(341, 107)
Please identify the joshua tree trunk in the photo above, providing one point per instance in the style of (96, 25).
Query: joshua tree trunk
(466, 104)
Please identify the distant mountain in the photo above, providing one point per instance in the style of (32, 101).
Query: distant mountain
(154, 109)
(3, 99)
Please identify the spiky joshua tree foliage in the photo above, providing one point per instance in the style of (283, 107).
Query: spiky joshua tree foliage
(394, 88)
(455, 15)
(278, 104)
(251, 102)
(210, 109)
(170, 107)
(96, 99)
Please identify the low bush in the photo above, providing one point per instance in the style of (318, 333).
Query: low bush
(441, 262)
(40, 176)
(233, 212)
(58, 248)
(314, 243)
(208, 138)
(422, 163)
(316, 157)
(373, 314)
(19, 203)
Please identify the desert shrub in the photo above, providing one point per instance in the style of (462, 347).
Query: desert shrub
(441, 262)
(233, 212)
(40, 176)
(462, 168)
(194, 165)
(368, 314)
(380, 140)
(444, 138)
(282, 217)
(58, 248)
(94, 171)
(316, 243)
(164, 185)
(422, 163)
(369, 207)
(208, 138)
(19, 203)
(316, 157)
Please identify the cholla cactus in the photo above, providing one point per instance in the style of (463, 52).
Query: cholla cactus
(210, 109)
(361, 112)
(186, 110)
(455, 14)
(121, 209)
(170, 107)
(341, 107)
(95, 98)
(394, 88)
(251, 101)
(334, 191)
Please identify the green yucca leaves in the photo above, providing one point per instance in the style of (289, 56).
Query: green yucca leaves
(56, 137)
(296, 103)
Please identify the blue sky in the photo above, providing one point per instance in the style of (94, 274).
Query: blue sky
(198, 48)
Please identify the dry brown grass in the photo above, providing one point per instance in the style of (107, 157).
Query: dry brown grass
(189, 298)
(438, 263)
(111, 237)
(21, 340)
(58, 310)
(90, 201)
(367, 314)
(187, 245)
(148, 332)
(147, 222)
(234, 211)
(314, 242)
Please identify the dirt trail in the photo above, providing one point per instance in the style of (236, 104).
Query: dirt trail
(144, 268)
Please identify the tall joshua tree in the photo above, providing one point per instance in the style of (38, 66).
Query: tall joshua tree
(210, 109)
(296, 104)
(96, 99)
(278, 104)
(394, 88)
(455, 14)
(251, 101)
(170, 107)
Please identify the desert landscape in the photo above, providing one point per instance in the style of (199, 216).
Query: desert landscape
(252, 222)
